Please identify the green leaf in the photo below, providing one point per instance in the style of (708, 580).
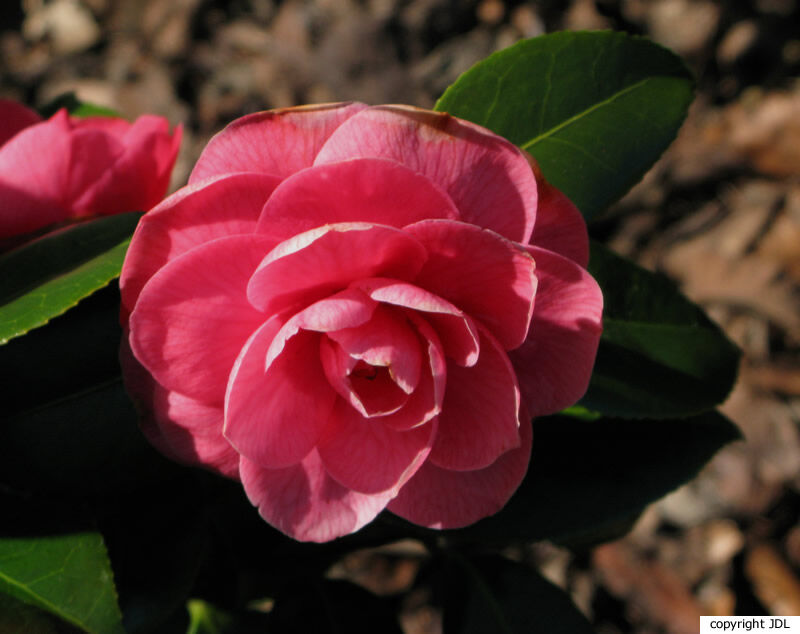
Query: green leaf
(43, 278)
(66, 575)
(588, 478)
(75, 107)
(493, 594)
(596, 109)
(659, 355)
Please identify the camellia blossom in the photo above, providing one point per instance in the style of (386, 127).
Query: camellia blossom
(66, 167)
(354, 308)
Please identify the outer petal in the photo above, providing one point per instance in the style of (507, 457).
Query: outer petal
(479, 421)
(456, 331)
(560, 227)
(33, 182)
(304, 502)
(369, 457)
(488, 277)
(438, 498)
(276, 142)
(362, 190)
(278, 399)
(15, 117)
(318, 262)
(192, 216)
(139, 176)
(193, 317)
(184, 429)
(555, 362)
(487, 177)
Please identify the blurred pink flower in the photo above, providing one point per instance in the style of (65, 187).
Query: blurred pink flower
(353, 308)
(66, 167)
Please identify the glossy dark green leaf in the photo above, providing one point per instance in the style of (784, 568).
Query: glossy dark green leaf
(589, 478)
(67, 575)
(494, 594)
(596, 109)
(659, 356)
(42, 279)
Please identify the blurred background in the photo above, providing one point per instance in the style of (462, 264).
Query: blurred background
(720, 214)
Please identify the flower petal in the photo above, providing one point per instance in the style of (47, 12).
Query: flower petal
(192, 216)
(33, 183)
(305, 503)
(361, 190)
(278, 399)
(368, 389)
(478, 422)
(369, 457)
(439, 498)
(488, 277)
(183, 428)
(456, 331)
(555, 362)
(139, 175)
(487, 177)
(275, 417)
(560, 227)
(426, 401)
(323, 260)
(276, 142)
(192, 318)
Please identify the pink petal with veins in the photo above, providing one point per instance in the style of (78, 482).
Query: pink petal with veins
(304, 502)
(359, 190)
(490, 278)
(316, 263)
(555, 362)
(369, 457)
(488, 178)
(478, 422)
(198, 297)
(275, 142)
(440, 498)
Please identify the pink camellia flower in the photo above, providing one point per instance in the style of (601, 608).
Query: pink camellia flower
(65, 167)
(354, 308)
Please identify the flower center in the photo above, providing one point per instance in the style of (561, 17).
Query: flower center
(363, 370)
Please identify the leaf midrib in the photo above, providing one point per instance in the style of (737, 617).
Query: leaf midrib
(39, 601)
(583, 113)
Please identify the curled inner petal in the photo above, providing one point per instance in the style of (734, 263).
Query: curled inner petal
(313, 264)
(386, 340)
(368, 388)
